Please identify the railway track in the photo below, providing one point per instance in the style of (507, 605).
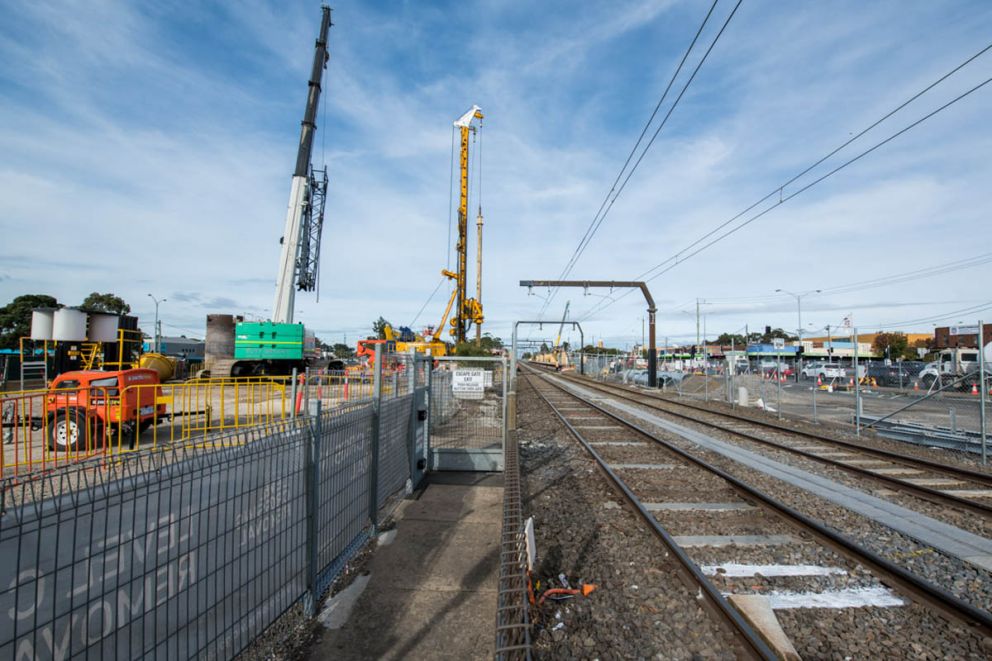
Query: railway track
(939, 483)
(654, 475)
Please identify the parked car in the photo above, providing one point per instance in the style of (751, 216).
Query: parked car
(889, 375)
(822, 370)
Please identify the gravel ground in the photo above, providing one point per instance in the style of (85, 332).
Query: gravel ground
(964, 519)
(962, 579)
(904, 632)
(640, 609)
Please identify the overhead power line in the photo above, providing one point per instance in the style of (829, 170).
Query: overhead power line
(614, 192)
(685, 254)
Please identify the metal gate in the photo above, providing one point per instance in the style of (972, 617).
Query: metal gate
(467, 423)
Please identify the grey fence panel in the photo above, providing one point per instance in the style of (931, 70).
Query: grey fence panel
(190, 553)
(394, 456)
(344, 466)
(191, 559)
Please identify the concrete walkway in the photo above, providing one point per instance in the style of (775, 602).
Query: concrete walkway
(431, 593)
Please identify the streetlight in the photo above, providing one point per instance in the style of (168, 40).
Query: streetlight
(799, 328)
(156, 320)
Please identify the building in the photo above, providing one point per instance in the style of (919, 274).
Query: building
(842, 346)
(952, 337)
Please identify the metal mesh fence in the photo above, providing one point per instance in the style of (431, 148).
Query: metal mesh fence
(467, 400)
(394, 460)
(189, 553)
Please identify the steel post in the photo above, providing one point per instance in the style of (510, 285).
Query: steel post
(857, 388)
(376, 425)
(312, 486)
(778, 380)
(292, 392)
(983, 387)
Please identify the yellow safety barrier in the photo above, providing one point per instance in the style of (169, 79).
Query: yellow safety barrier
(43, 429)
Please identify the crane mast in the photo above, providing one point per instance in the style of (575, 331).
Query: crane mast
(300, 253)
(467, 310)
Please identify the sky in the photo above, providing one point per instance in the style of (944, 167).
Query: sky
(147, 148)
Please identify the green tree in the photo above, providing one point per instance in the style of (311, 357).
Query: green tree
(379, 329)
(911, 353)
(890, 345)
(15, 317)
(343, 350)
(731, 338)
(106, 303)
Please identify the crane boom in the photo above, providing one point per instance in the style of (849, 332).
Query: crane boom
(305, 215)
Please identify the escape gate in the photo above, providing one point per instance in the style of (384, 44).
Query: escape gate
(467, 422)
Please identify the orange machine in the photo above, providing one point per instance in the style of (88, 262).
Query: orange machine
(86, 407)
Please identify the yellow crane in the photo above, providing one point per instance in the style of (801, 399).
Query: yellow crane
(468, 311)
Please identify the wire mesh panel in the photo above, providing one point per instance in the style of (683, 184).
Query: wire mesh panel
(468, 413)
(394, 457)
(166, 555)
(343, 469)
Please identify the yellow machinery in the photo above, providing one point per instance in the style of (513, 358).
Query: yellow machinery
(468, 311)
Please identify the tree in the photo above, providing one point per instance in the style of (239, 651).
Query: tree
(890, 345)
(911, 353)
(106, 303)
(545, 348)
(731, 338)
(343, 350)
(15, 317)
(379, 329)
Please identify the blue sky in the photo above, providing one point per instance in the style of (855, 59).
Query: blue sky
(148, 147)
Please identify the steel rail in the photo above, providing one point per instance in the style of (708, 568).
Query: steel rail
(916, 588)
(750, 641)
(927, 493)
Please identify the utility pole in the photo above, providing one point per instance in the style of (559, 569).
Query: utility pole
(157, 329)
(697, 323)
(799, 330)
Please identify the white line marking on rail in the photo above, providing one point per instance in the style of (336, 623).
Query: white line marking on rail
(736, 570)
(697, 507)
(738, 540)
(638, 444)
(878, 597)
(644, 466)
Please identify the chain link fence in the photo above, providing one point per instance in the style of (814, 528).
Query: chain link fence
(190, 553)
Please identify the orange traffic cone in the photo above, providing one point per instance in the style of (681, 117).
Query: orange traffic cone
(916, 386)
(974, 389)
(819, 381)
(851, 383)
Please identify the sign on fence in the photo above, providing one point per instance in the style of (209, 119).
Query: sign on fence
(469, 383)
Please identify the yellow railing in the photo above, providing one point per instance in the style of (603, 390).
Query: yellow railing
(42, 429)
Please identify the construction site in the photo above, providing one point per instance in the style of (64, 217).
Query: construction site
(577, 464)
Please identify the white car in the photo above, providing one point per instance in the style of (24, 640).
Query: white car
(823, 371)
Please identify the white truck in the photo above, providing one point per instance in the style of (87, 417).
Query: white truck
(953, 364)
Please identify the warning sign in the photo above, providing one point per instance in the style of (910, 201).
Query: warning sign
(468, 383)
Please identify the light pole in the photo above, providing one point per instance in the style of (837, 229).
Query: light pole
(156, 320)
(799, 328)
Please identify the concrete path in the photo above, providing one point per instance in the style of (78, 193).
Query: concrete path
(432, 589)
(949, 539)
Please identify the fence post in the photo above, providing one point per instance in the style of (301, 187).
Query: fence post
(292, 394)
(412, 435)
(312, 485)
(857, 389)
(306, 391)
(376, 424)
(983, 389)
